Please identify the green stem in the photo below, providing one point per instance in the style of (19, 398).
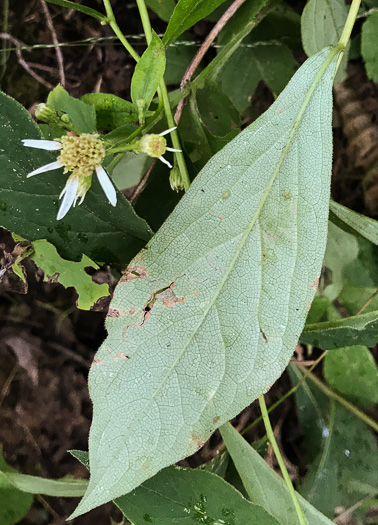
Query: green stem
(347, 30)
(330, 393)
(285, 474)
(163, 94)
(113, 24)
(285, 396)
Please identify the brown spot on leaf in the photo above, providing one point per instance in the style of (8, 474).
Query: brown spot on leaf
(196, 440)
(286, 196)
(216, 419)
(96, 361)
(280, 111)
(195, 293)
(134, 272)
(132, 311)
(315, 284)
(123, 356)
(221, 217)
(114, 312)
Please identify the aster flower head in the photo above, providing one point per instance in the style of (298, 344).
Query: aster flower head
(80, 155)
(155, 145)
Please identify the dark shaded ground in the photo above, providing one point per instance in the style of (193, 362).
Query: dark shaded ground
(46, 343)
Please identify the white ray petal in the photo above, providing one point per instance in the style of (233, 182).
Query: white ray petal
(106, 185)
(69, 198)
(49, 145)
(174, 150)
(165, 162)
(47, 167)
(166, 131)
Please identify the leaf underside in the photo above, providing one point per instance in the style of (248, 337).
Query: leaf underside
(206, 318)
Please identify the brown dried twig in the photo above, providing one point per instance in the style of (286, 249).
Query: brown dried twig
(203, 50)
(58, 51)
(22, 61)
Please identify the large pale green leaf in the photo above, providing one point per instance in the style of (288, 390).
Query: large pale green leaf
(186, 14)
(263, 485)
(322, 23)
(29, 206)
(207, 317)
(356, 330)
(184, 496)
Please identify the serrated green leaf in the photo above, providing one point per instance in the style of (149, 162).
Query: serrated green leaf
(263, 484)
(184, 496)
(369, 46)
(322, 23)
(69, 273)
(82, 115)
(29, 206)
(148, 73)
(14, 504)
(208, 316)
(351, 221)
(352, 372)
(356, 330)
(111, 111)
(185, 15)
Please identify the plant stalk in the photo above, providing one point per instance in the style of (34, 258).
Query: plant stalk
(163, 94)
(285, 474)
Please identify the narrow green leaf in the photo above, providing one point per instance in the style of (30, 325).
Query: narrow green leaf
(263, 485)
(322, 23)
(245, 19)
(185, 15)
(351, 221)
(64, 488)
(14, 504)
(208, 316)
(369, 46)
(29, 206)
(353, 373)
(69, 273)
(163, 8)
(78, 7)
(83, 115)
(111, 111)
(184, 496)
(356, 330)
(148, 73)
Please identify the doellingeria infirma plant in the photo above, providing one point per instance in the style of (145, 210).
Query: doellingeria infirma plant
(208, 310)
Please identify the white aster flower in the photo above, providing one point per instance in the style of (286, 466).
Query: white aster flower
(155, 146)
(81, 156)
